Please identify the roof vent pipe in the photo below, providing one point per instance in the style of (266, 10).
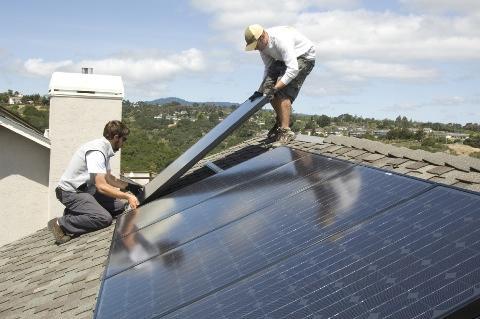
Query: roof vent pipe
(87, 70)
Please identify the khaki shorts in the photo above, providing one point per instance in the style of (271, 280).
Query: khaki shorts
(277, 70)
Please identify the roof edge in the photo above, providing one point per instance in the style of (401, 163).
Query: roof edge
(25, 132)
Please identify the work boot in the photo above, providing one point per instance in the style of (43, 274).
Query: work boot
(57, 231)
(284, 135)
(273, 132)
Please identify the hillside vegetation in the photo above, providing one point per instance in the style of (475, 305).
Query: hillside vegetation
(161, 132)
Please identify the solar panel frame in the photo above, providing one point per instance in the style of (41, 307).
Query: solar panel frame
(208, 142)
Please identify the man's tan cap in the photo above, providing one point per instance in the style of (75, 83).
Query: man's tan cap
(252, 33)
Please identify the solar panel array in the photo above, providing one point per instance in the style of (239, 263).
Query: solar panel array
(291, 234)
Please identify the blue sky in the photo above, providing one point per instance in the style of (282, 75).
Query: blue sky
(380, 59)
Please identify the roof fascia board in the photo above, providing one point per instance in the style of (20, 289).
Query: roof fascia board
(12, 126)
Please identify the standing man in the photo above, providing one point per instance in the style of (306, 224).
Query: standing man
(288, 57)
(91, 195)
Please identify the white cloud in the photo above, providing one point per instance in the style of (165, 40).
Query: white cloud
(462, 6)
(405, 107)
(138, 70)
(361, 69)
(449, 100)
(390, 36)
(356, 33)
(42, 68)
(326, 83)
(456, 100)
(234, 14)
(231, 17)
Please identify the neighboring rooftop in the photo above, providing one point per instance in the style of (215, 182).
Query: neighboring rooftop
(15, 123)
(41, 280)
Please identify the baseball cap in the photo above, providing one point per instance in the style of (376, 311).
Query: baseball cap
(252, 33)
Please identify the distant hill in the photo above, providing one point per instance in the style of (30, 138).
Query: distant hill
(167, 100)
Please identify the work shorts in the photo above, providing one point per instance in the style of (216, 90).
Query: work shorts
(277, 69)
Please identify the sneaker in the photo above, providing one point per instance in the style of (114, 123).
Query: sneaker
(284, 135)
(57, 231)
(273, 132)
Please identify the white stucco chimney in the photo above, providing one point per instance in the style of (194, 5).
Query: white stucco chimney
(80, 106)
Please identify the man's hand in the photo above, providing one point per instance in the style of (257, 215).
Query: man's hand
(255, 95)
(132, 201)
(134, 189)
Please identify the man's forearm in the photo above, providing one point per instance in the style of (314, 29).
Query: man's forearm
(115, 182)
(111, 191)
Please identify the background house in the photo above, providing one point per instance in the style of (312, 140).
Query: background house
(24, 169)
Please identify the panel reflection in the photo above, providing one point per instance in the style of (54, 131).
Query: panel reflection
(277, 185)
(418, 260)
(214, 185)
(217, 257)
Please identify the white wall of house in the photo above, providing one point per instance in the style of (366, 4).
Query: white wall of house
(23, 186)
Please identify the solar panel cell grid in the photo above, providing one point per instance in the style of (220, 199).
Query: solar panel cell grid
(271, 233)
(209, 187)
(220, 210)
(345, 280)
(314, 238)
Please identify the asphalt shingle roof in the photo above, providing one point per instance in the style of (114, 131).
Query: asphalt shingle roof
(41, 280)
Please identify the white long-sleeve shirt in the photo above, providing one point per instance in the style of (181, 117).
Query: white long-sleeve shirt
(286, 44)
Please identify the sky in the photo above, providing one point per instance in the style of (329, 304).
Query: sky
(376, 59)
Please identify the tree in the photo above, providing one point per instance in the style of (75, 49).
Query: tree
(473, 141)
(399, 134)
(323, 120)
(311, 125)
(35, 117)
(213, 118)
(398, 121)
(472, 127)
(419, 135)
(4, 97)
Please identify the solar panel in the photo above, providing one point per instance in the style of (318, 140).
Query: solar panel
(420, 259)
(237, 202)
(182, 164)
(205, 189)
(190, 259)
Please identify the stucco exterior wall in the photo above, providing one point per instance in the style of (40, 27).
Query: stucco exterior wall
(24, 167)
(73, 122)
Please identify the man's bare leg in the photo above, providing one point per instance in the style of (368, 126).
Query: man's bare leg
(276, 106)
(282, 107)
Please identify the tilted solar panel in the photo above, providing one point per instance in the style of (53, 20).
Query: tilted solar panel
(208, 142)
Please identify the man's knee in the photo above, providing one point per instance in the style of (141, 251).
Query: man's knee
(103, 220)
